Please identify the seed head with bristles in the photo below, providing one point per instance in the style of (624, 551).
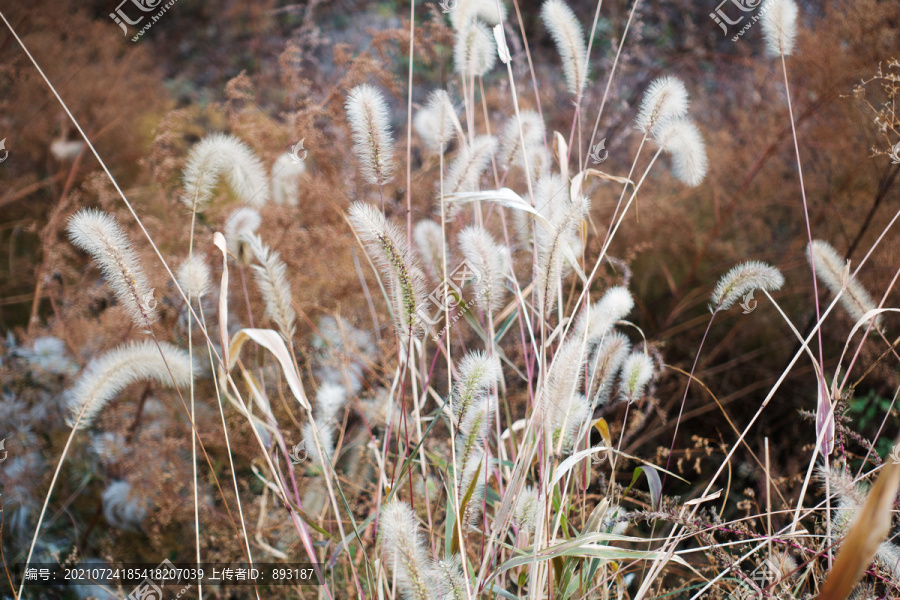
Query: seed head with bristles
(434, 123)
(615, 305)
(665, 98)
(511, 152)
(109, 374)
(428, 240)
(369, 119)
(569, 38)
(528, 509)
(830, 268)
(242, 222)
(100, 235)
(387, 246)
(551, 248)
(468, 11)
(488, 259)
(563, 408)
(477, 374)
(472, 160)
(193, 277)
(286, 173)
(473, 430)
(271, 277)
(475, 52)
(604, 364)
(637, 371)
(405, 551)
(450, 582)
(681, 138)
(779, 23)
(744, 278)
(219, 154)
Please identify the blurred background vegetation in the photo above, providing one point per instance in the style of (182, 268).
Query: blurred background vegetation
(275, 72)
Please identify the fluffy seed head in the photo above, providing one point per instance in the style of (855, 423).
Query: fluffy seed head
(193, 277)
(450, 583)
(475, 52)
(271, 277)
(511, 152)
(219, 154)
(242, 223)
(487, 258)
(604, 365)
(428, 239)
(286, 173)
(369, 119)
(109, 374)
(563, 408)
(636, 374)
(468, 11)
(551, 244)
(387, 246)
(404, 550)
(665, 98)
(123, 507)
(434, 123)
(779, 23)
(528, 507)
(477, 374)
(830, 268)
(614, 306)
(473, 430)
(744, 278)
(569, 38)
(101, 236)
(681, 138)
(466, 169)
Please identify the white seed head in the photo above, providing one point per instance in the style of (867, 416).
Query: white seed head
(469, 11)
(242, 223)
(487, 257)
(830, 268)
(123, 507)
(193, 277)
(665, 98)
(449, 580)
(271, 277)
(286, 173)
(563, 408)
(434, 123)
(404, 550)
(744, 278)
(325, 432)
(465, 171)
(551, 246)
(109, 374)
(528, 508)
(779, 23)
(428, 239)
(478, 373)
(387, 246)
(329, 400)
(101, 236)
(682, 139)
(511, 152)
(604, 364)
(475, 52)
(219, 154)
(637, 371)
(569, 38)
(614, 306)
(370, 122)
